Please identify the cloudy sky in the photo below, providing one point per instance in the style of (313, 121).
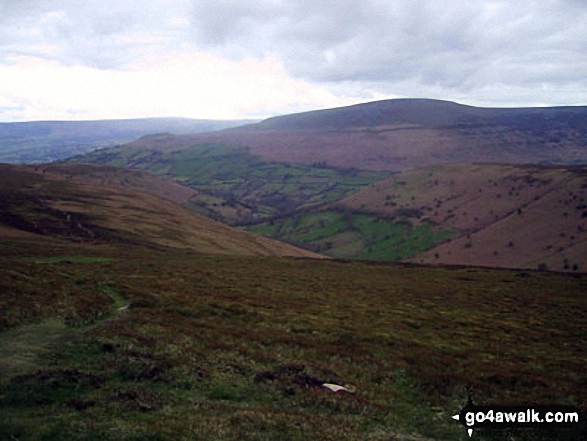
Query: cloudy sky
(226, 59)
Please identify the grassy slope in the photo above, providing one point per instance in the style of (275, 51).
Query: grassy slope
(237, 347)
(512, 216)
(40, 203)
(234, 185)
(118, 177)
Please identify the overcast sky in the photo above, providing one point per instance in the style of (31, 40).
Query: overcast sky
(226, 59)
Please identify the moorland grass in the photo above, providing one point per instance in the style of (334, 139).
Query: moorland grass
(237, 348)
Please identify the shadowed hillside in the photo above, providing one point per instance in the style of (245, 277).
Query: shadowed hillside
(40, 203)
(120, 177)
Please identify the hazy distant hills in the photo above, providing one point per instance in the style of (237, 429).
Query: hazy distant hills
(47, 141)
(397, 135)
(41, 204)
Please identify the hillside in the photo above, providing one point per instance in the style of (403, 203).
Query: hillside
(125, 316)
(119, 177)
(396, 135)
(38, 204)
(154, 343)
(47, 141)
(501, 215)
(233, 185)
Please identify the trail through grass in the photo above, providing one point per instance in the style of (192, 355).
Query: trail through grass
(27, 347)
(238, 348)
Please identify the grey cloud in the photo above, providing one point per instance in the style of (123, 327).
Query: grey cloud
(451, 47)
(447, 43)
(15, 9)
(104, 34)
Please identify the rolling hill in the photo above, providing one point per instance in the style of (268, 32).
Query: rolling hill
(233, 185)
(38, 203)
(501, 215)
(466, 214)
(142, 341)
(396, 135)
(47, 141)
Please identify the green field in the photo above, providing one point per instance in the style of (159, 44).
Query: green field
(237, 186)
(223, 348)
(354, 235)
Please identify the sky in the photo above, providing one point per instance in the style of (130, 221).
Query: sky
(233, 59)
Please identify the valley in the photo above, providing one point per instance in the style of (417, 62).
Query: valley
(357, 202)
(207, 286)
(232, 184)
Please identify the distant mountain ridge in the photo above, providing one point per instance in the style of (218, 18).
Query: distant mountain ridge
(425, 112)
(395, 135)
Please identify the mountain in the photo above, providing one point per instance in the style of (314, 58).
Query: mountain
(38, 205)
(396, 135)
(428, 113)
(47, 141)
